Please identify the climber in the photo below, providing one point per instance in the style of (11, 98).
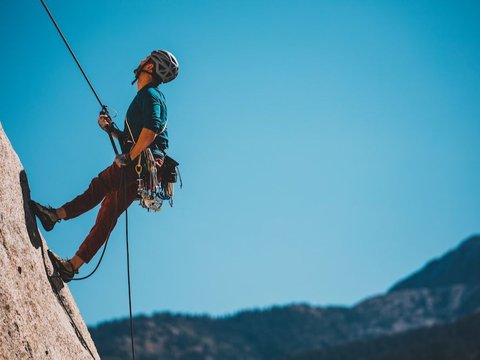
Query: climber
(116, 186)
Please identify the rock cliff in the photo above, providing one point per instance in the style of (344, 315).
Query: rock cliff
(38, 316)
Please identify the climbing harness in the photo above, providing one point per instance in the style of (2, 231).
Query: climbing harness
(150, 191)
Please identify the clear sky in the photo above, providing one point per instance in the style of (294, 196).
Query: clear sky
(327, 148)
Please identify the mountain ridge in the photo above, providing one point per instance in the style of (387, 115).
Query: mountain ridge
(458, 340)
(460, 265)
(268, 334)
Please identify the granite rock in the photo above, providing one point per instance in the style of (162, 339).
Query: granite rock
(38, 315)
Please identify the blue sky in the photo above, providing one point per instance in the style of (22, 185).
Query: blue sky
(328, 148)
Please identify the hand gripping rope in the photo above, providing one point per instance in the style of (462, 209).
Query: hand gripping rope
(104, 111)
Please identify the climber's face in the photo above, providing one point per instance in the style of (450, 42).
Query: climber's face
(143, 67)
(143, 61)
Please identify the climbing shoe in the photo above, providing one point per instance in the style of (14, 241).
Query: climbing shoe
(63, 266)
(46, 214)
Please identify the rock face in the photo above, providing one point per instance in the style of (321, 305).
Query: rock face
(38, 316)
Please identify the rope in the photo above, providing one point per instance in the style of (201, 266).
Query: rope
(71, 52)
(128, 276)
(122, 182)
(62, 303)
(104, 111)
(104, 107)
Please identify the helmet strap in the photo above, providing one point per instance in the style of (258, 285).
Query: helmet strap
(140, 70)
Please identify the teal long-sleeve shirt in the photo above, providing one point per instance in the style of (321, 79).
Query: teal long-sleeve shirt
(148, 110)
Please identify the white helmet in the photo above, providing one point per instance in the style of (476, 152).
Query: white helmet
(165, 66)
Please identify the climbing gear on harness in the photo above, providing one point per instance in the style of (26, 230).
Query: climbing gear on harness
(168, 173)
(46, 214)
(150, 191)
(123, 159)
(64, 267)
(165, 66)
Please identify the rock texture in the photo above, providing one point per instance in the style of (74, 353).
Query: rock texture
(38, 316)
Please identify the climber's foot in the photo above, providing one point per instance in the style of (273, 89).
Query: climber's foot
(63, 266)
(46, 214)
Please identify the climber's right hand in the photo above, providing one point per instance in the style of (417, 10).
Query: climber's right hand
(105, 123)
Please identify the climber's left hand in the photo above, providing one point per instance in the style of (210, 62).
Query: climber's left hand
(123, 160)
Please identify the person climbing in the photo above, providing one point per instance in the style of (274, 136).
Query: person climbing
(115, 187)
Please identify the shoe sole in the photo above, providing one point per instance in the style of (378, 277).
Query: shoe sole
(59, 268)
(35, 207)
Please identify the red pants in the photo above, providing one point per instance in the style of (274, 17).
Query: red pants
(117, 191)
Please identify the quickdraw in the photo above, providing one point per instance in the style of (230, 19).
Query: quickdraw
(150, 191)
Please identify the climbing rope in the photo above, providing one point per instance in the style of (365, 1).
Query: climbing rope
(60, 299)
(128, 267)
(104, 111)
(104, 107)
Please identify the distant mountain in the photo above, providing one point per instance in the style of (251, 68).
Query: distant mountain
(256, 334)
(455, 341)
(421, 300)
(459, 266)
